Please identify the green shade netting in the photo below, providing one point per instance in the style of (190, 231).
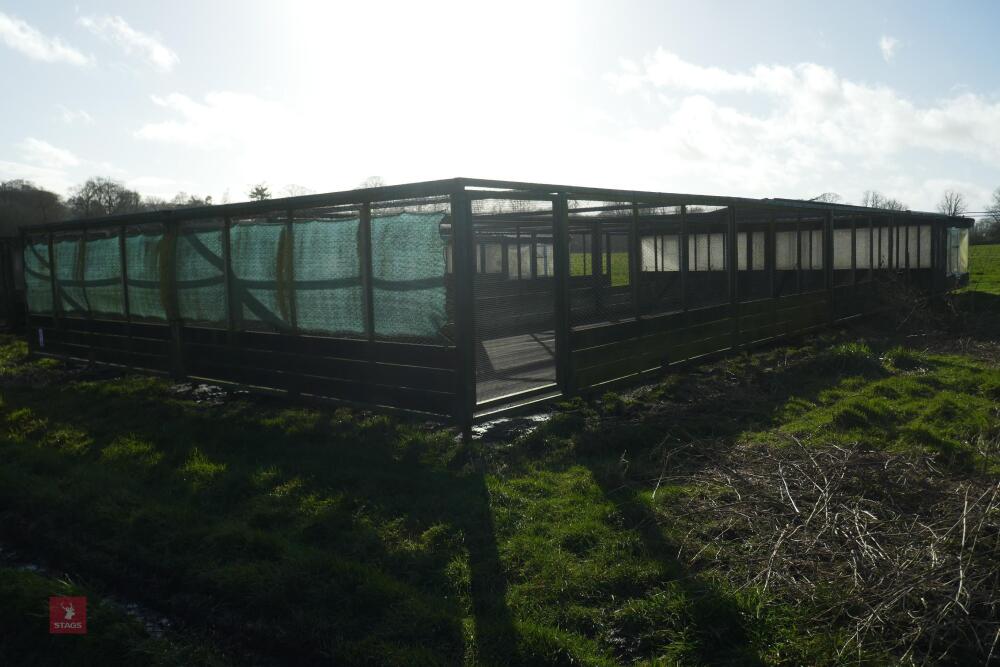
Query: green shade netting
(142, 253)
(102, 276)
(69, 276)
(200, 275)
(254, 253)
(327, 270)
(37, 278)
(408, 275)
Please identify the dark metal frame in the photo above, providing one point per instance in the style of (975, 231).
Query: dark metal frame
(586, 357)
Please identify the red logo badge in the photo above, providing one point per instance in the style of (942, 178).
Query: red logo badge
(67, 616)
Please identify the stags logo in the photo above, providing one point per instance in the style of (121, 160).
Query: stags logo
(67, 616)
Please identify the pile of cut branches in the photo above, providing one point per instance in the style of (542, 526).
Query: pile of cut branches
(901, 552)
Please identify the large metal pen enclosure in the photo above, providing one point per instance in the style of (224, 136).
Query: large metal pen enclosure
(464, 298)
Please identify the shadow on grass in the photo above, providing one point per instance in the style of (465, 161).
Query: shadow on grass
(283, 533)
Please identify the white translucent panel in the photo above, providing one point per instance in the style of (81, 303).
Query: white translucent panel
(759, 256)
(925, 246)
(698, 252)
(514, 271)
(816, 249)
(899, 243)
(670, 253)
(544, 266)
(492, 258)
(741, 251)
(649, 258)
(701, 247)
(862, 244)
(717, 252)
(883, 247)
(785, 252)
(963, 251)
(912, 241)
(842, 249)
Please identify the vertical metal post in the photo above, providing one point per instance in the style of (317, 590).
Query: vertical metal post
(365, 255)
(172, 307)
(56, 295)
(289, 277)
(731, 274)
(635, 257)
(597, 267)
(123, 258)
(465, 324)
(871, 249)
(771, 254)
(828, 262)
(560, 241)
(684, 258)
(126, 306)
(232, 306)
(798, 255)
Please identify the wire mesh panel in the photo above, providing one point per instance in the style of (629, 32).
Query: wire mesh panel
(37, 275)
(259, 297)
(69, 252)
(752, 279)
(843, 251)
(514, 297)
(144, 248)
(329, 296)
(102, 273)
(199, 270)
(661, 283)
(707, 280)
(410, 293)
(600, 285)
(812, 275)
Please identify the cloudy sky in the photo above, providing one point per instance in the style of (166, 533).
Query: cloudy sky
(759, 99)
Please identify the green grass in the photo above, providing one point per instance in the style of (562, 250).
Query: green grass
(270, 532)
(984, 268)
(113, 636)
(579, 265)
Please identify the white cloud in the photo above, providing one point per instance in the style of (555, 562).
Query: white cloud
(21, 37)
(71, 116)
(224, 120)
(44, 154)
(888, 45)
(809, 130)
(149, 47)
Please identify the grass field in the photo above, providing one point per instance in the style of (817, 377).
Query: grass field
(667, 525)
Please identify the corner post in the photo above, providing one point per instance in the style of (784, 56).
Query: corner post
(465, 325)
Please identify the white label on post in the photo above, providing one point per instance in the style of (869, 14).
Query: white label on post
(41, 337)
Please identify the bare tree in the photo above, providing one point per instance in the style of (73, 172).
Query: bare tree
(875, 199)
(953, 203)
(373, 182)
(828, 198)
(993, 208)
(293, 190)
(259, 192)
(103, 196)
